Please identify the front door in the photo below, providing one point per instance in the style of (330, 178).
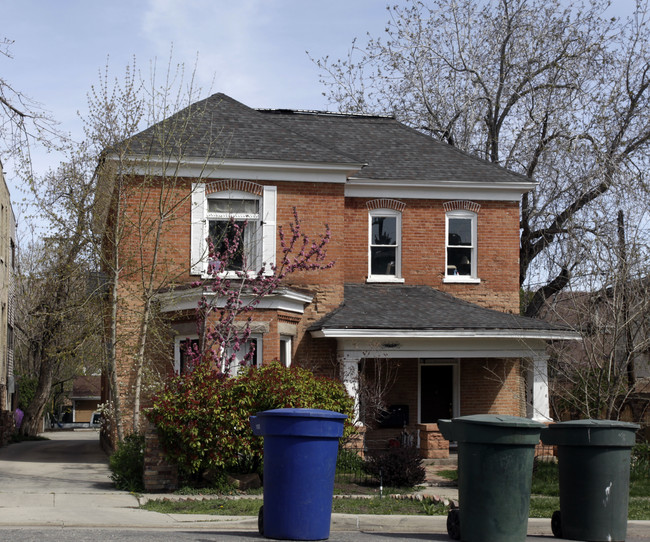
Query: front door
(436, 392)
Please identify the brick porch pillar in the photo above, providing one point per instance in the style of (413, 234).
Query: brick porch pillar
(159, 474)
(432, 443)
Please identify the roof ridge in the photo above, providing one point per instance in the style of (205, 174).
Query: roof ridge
(319, 112)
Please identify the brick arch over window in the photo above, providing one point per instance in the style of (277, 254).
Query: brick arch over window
(461, 205)
(394, 204)
(234, 184)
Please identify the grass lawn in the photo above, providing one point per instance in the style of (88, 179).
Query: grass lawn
(544, 501)
(250, 507)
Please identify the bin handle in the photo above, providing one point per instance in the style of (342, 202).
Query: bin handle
(446, 427)
(256, 426)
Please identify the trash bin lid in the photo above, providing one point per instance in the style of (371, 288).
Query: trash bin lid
(591, 433)
(495, 429)
(298, 422)
(303, 413)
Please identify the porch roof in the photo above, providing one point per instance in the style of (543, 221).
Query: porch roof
(399, 310)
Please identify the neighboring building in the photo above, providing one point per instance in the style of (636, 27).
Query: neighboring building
(7, 270)
(610, 366)
(425, 238)
(85, 398)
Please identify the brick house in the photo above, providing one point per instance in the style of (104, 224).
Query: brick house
(7, 309)
(426, 243)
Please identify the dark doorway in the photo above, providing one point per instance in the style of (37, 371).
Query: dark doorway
(436, 392)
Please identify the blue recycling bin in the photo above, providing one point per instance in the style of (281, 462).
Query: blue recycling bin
(300, 451)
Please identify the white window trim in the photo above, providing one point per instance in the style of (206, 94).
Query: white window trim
(397, 277)
(180, 338)
(200, 225)
(259, 350)
(286, 343)
(473, 277)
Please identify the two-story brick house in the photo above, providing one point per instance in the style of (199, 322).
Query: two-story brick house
(425, 239)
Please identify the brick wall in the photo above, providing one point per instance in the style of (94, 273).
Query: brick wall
(159, 474)
(492, 386)
(423, 261)
(7, 426)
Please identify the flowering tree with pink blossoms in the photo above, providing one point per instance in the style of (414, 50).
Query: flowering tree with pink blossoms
(223, 313)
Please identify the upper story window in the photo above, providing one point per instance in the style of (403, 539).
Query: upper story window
(236, 215)
(385, 246)
(461, 246)
(222, 208)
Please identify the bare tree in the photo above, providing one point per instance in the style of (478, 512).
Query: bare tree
(23, 122)
(55, 312)
(141, 198)
(557, 91)
(598, 376)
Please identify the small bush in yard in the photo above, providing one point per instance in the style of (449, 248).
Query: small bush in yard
(127, 463)
(640, 462)
(203, 416)
(398, 467)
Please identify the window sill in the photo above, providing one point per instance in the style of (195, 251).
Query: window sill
(380, 278)
(460, 279)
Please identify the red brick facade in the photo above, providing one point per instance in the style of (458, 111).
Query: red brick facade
(486, 385)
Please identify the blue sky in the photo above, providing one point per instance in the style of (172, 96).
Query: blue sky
(252, 50)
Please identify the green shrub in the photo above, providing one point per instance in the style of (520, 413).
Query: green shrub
(640, 469)
(398, 467)
(26, 390)
(127, 464)
(348, 461)
(203, 416)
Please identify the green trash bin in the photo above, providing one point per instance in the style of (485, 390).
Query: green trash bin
(594, 464)
(495, 470)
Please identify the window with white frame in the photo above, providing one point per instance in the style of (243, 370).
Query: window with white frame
(285, 350)
(184, 349)
(384, 246)
(186, 346)
(235, 219)
(218, 215)
(254, 342)
(461, 246)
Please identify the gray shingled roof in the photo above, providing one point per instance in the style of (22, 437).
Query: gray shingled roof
(399, 307)
(222, 128)
(393, 150)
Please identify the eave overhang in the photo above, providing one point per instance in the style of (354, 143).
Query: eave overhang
(448, 189)
(445, 334)
(282, 299)
(270, 170)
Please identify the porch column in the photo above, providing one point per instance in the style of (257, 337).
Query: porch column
(538, 405)
(349, 363)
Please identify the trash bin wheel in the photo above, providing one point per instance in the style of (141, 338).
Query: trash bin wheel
(260, 521)
(556, 524)
(453, 524)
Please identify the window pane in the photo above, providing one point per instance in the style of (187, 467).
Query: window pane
(382, 260)
(188, 347)
(233, 206)
(459, 261)
(460, 231)
(223, 233)
(384, 230)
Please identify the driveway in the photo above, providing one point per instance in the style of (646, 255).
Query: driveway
(70, 462)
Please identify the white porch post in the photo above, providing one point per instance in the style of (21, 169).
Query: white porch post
(538, 405)
(350, 376)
